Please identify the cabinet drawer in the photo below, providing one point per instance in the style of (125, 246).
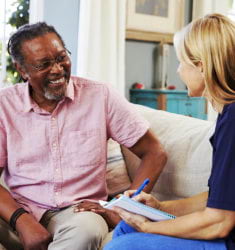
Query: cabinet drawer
(172, 101)
(146, 100)
(187, 106)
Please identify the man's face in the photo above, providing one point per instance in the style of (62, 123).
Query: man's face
(47, 67)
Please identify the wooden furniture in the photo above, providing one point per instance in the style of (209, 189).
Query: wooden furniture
(174, 101)
(148, 36)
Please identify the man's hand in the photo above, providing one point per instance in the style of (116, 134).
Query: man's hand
(111, 217)
(32, 234)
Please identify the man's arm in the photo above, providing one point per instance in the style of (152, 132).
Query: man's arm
(31, 233)
(153, 158)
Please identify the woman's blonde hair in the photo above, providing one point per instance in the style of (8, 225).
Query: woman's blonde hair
(210, 40)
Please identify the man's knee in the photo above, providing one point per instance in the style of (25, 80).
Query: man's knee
(90, 238)
(90, 230)
(85, 230)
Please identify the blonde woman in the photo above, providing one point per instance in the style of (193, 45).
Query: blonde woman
(206, 52)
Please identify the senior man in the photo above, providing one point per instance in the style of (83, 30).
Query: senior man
(53, 141)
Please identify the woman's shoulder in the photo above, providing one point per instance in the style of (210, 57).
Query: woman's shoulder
(228, 113)
(229, 109)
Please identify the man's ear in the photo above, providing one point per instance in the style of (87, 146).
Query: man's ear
(21, 71)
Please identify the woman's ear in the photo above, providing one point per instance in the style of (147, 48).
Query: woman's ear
(200, 67)
(24, 75)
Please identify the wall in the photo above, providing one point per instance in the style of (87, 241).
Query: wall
(143, 61)
(64, 15)
(140, 63)
(143, 64)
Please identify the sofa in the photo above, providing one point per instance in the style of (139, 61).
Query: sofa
(186, 141)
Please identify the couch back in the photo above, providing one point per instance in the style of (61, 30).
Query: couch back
(186, 141)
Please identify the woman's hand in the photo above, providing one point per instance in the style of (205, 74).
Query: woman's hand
(144, 198)
(134, 220)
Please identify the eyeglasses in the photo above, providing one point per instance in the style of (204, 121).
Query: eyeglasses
(48, 64)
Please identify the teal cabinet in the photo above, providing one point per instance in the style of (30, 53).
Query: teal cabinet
(175, 101)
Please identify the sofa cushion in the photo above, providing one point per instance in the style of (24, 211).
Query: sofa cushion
(117, 177)
(186, 141)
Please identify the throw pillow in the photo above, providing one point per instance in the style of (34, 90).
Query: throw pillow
(117, 177)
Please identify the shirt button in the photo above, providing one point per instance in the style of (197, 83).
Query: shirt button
(56, 169)
(56, 193)
(53, 118)
(54, 145)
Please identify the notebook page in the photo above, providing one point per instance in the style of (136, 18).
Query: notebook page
(139, 208)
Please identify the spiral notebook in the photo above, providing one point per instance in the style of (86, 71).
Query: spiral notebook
(137, 208)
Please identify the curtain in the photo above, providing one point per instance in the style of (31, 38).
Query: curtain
(202, 7)
(36, 11)
(101, 41)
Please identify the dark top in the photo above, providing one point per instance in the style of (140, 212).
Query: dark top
(222, 180)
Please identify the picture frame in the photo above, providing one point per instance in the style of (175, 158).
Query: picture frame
(157, 20)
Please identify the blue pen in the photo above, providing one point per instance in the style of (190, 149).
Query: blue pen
(142, 186)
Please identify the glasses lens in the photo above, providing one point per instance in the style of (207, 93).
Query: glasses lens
(44, 65)
(47, 65)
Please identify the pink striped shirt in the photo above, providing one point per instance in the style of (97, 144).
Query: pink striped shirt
(53, 160)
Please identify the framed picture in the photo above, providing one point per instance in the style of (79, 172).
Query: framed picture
(160, 16)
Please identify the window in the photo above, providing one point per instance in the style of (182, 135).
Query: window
(13, 13)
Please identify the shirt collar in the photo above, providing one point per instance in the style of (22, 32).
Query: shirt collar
(70, 90)
(29, 104)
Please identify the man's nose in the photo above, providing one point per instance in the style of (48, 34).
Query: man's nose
(56, 67)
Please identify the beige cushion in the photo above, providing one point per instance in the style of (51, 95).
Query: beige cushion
(116, 176)
(186, 140)
(2, 183)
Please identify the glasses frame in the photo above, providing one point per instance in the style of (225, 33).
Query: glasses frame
(43, 67)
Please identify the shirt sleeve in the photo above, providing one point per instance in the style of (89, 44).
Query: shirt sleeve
(221, 182)
(125, 124)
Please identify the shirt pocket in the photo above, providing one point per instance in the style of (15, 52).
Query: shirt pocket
(85, 146)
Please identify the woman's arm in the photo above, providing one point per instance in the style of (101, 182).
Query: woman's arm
(185, 206)
(176, 207)
(207, 224)
(195, 221)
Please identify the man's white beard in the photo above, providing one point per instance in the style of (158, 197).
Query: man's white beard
(50, 96)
